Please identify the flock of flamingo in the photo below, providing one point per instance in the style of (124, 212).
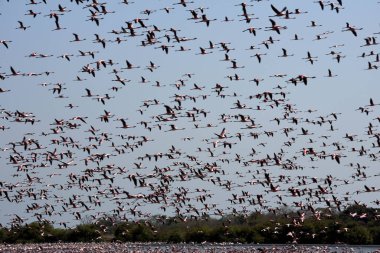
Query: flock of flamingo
(127, 110)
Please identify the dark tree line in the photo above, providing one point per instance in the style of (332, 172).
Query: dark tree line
(355, 225)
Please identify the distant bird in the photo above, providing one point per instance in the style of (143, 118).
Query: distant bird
(174, 128)
(285, 54)
(76, 38)
(3, 90)
(372, 66)
(275, 27)
(321, 4)
(5, 43)
(22, 26)
(223, 134)
(32, 13)
(62, 9)
(89, 93)
(252, 30)
(183, 3)
(206, 20)
(234, 65)
(330, 74)
(310, 58)
(125, 125)
(66, 56)
(167, 9)
(130, 65)
(277, 12)
(352, 29)
(258, 56)
(371, 103)
(313, 24)
(14, 72)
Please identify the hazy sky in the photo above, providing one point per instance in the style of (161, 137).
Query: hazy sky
(49, 88)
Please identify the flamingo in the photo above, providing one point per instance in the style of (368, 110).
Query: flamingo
(167, 9)
(104, 11)
(371, 103)
(296, 37)
(3, 90)
(252, 30)
(234, 65)
(89, 93)
(183, 3)
(284, 53)
(124, 124)
(321, 4)
(223, 134)
(275, 27)
(352, 29)
(5, 43)
(330, 73)
(258, 56)
(174, 128)
(76, 38)
(204, 19)
(62, 9)
(257, 81)
(130, 65)
(203, 51)
(277, 12)
(32, 13)
(14, 72)
(33, 2)
(22, 26)
(371, 66)
(310, 58)
(313, 24)
(65, 56)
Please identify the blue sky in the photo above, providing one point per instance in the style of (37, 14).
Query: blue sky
(350, 87)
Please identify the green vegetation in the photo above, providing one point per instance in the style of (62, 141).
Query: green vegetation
(355, 225)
